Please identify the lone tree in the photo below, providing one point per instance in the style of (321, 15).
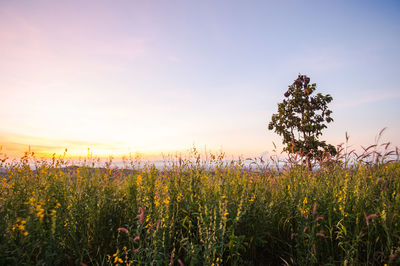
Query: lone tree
(301, 118)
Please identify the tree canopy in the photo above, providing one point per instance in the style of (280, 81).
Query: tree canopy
(301, 118)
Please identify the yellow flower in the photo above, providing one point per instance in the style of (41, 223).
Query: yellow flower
(166, 201)
(156, 202)
(383, 215)
(139, 180)
(40, 213)
(226, 214)
(26, 233)
(305, 201)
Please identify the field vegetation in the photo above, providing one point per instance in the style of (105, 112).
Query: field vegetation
(199, 211)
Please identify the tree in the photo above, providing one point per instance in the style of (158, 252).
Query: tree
(301, 118)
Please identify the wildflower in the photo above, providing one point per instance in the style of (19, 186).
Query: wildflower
(156, 202)
(383, 215)
(305, 201)
(253, 197)
(123, 229)
(166, 201)
(226, 214)
(315, 209)
(371, 216)
(321, 234)
(139, 180)
(140, 215)
(180, 262)
(26, 233)
(136, 250)
(136, 238)
(40, 213)
(117, 259)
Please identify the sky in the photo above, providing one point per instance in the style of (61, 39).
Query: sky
(159, 77)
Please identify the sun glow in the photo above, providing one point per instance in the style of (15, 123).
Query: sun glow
(14, 146)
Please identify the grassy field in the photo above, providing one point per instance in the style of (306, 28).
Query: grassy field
(193, 214)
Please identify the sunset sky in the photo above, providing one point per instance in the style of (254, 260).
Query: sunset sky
(156, 77)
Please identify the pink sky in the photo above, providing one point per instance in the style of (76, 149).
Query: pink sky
(161, 77)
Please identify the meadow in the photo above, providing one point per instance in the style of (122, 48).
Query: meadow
(200, 211)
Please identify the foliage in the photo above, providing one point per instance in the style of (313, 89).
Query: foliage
(198, 212)
(301, 118)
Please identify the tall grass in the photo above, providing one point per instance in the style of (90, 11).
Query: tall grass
(190, 213)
